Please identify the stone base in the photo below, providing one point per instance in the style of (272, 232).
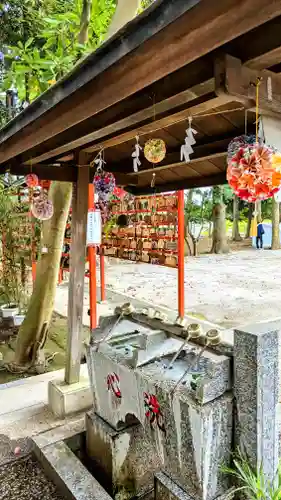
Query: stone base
(69, 474)
(67, 399)
(124, 459)
(167, 489)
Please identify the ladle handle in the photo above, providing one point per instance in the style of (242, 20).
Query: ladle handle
(190, 367)
(178, 352)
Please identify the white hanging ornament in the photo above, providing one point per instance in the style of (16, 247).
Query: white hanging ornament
(99, 161)
(186, 148)
(136, 154)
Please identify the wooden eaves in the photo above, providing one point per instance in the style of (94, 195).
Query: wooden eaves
(180, 58)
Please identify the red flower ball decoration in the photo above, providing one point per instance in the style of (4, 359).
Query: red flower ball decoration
(31, 180)
(252, 174)
(119, 193)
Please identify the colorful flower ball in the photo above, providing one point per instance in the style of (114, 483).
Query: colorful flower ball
(42, 208)
(31, 180)
(252, 174)
(104, 185)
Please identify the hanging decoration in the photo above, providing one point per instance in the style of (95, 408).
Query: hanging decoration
(276, 161)
(252, 174)
(153, 179)
(104, 183)
(153, 411)
(186, 148)
(136, 155)
(155, 150)
(31, 180)
(253, 171)
(242, 141)
(119, 193)
(41, 207)
(113, 382)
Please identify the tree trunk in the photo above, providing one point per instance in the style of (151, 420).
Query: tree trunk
(275, 244)
(220, 244)
(250, 215)
(235, 226)
(259, 211)
(42, 299)
(125, 12)
(85, 21)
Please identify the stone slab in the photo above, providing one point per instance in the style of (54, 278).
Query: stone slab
(60, 433)
(126, 459)
(69, 474)
(166, 489)
(68, 399)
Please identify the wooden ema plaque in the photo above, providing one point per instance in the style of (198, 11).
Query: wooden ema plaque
(151, 233)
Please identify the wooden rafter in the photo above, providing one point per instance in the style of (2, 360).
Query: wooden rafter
(188, 183)
(237, 81)
(196, 30)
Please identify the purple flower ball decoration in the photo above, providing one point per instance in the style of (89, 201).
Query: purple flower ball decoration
(241, 141)
(104, 183)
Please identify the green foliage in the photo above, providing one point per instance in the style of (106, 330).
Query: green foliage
(146, 3)
(46, 46)
(254, 482)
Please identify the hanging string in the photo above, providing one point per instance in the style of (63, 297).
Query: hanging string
(258, 82)
(246, 122)
(195, 115)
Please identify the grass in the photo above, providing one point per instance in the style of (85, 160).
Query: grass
(56, 343)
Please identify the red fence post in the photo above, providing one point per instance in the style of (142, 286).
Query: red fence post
(181, 253)
(92, 269)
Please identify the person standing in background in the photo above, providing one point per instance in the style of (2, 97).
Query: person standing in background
(259, 238)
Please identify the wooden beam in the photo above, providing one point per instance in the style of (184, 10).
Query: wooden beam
(188, 183)
(80, 136)
(199, 30)
(196, 107)
(266, 60)
(259, 48)
(46, 172)
(65, 173)
(237, 81)
(77, 272)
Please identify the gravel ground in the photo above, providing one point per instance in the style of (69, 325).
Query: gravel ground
(229, 290)
(24, 479)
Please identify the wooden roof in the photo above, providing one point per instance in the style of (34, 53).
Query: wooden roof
(180, 58)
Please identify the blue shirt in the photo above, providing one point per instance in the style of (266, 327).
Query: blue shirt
(260, 230)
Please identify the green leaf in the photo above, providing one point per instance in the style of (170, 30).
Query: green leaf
(28, 43)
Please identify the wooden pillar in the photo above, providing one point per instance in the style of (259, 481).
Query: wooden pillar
(181, 254)
(77, 271)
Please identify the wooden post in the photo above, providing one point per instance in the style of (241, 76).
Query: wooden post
(77, 272)
(92, 269)
(181, 253)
